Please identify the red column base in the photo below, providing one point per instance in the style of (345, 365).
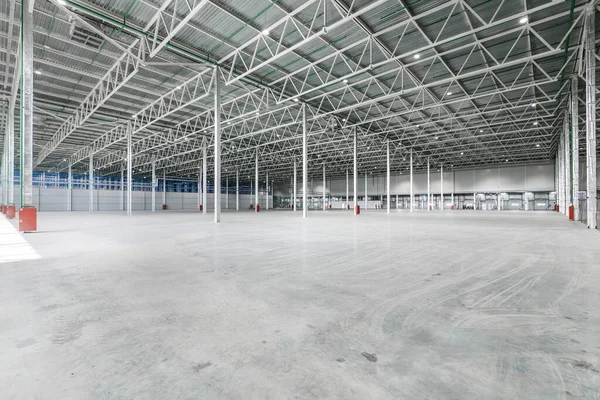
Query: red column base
(28, 219)
(258, 208)
(10, 212)
(200, 207)
(3, 208)
(572, 213)
(357, 210)
(164, 206)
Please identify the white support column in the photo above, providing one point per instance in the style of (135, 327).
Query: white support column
(575, 145)
(26, 137)
(324, 189)
(590, 111)
(396, 202)
(567, 158)
(561, 175)
(453, 186)
(442, 187)
(256, 183)
(412, 207)
(91, 183)
(237, 190)
(227, 193)
(70, 189)
(295, 193)
(164, 193)
(355, 173)
(267, 190)
(204, 181)
(347, 189)
(122, 188)
(154, 181)
(199, 191)
(388, 178)
(366, 190)
(10, 158)
(3, 165)
(304, 163)
(217, 155)
(129, 168)
(428, 186)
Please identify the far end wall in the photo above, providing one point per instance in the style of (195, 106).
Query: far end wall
(528, 178)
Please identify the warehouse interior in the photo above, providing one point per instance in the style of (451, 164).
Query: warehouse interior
(285, 199)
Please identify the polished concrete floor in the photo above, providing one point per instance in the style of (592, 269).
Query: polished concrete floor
(453, 305)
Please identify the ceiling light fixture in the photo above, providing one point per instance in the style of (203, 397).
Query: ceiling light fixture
(345, 81)
(537, 145)
(449, 93)
(523, 20)
(533, 105)
(265, 32)
(295, 100)
(535, 123)
(62, 2)
(417, 56)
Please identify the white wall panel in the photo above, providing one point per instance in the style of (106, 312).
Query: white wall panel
(53, 199)
(512, 178)
(107, 200)
(80, 199)
(539, 178)
(521, 178)
(486, 180)
(464, 181)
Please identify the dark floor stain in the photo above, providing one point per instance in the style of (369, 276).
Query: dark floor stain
(438, 274)
(310, 326)
(264, 341)
(340, 360)
(575, 341)
(585, 365)
(198, 367)
(569, 318)
(369, 356)
(568, 393)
